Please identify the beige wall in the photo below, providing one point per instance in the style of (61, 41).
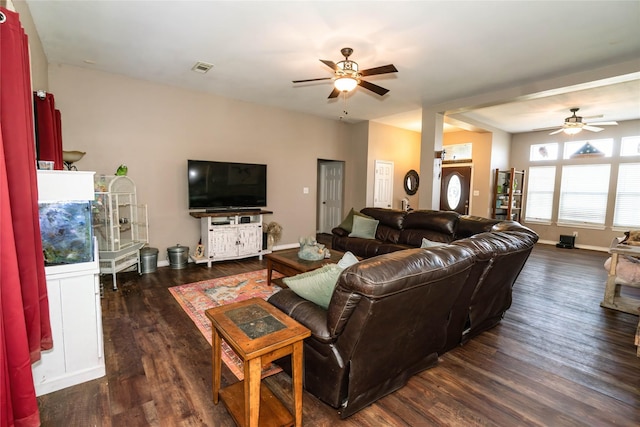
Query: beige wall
(154, 129)
(356, 182)
(587, 238)
(39, 67)
(482, 153)
(400, 146)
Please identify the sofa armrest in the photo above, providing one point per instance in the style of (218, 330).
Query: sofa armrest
(307, 313)
(337, 231)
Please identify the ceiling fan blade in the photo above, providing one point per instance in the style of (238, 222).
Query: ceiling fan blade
(312, 80)
(373, 88)
(603, 124)
(330, 64)
(556, 131)
(379, 70)
(592, 128)
(334, 93)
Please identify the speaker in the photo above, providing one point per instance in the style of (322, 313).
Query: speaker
(567, 242)
(245, 219)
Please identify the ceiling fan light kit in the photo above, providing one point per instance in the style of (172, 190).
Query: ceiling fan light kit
(347, 75)
(573, 124)
(572, 131)
(345, 84)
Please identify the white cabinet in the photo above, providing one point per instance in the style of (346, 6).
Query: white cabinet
(230, 235)
(73, 289)
(76, 325)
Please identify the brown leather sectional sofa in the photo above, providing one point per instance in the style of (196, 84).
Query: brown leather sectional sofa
(393, 313)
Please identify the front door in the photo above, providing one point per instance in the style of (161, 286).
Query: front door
(454, 190)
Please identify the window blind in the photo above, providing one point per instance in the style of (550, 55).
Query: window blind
(542, 181)
(583, 194)
(627, 210)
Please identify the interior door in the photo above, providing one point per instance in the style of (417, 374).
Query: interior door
(330, 195)
(455, 188)
(383, 184)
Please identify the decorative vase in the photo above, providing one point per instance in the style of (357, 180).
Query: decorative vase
(270, 241)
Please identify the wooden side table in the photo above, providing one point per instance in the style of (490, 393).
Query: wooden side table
(612, 298)
(259, 333)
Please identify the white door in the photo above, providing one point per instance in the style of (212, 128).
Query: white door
(383, 184)
(330, 195)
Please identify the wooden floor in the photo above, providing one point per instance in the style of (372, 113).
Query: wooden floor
(557, 359)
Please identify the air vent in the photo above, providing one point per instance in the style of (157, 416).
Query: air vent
(201, 67)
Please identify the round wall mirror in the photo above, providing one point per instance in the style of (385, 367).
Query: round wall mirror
(411, 182)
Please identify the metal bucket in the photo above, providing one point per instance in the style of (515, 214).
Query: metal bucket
(178, 256)
(148, 260)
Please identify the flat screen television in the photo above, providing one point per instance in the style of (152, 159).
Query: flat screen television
(226, 185)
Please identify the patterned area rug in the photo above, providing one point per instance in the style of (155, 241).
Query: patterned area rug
(196, 298)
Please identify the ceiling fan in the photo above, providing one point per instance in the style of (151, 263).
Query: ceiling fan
(574, 124)
(347, 75)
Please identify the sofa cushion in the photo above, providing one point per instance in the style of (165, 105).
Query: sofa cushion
(413, 237)
(444, 222)
(469, 225)
(384, 233)
(317, 285)
(392, 218)
(364, 228)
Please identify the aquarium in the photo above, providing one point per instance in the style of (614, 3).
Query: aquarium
(66, 232)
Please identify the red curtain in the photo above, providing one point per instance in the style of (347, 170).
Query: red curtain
(24, 316)
(48, 129)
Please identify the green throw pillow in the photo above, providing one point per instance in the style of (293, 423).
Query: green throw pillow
(364, 227)
(347, 222)
(429, 244)
(317, 285)
(347, 260)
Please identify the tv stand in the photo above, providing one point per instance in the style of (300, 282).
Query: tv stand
(230, 234)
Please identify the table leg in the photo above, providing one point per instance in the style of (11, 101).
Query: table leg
(252, 378)
(269, 271)
(217, 363)
(296, 379)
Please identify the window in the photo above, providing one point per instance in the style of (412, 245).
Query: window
(542, 181)
(604, 146)
(458, 152)
(627, 213)
(630, 146)
(541, 152)
(583, 194)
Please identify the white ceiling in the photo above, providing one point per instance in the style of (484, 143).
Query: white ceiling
(446, 53)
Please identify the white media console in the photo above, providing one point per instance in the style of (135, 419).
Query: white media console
(230, 235)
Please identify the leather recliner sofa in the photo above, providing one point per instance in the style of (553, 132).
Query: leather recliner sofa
(392, 314)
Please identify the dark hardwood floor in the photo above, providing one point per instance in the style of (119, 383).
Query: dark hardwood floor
(557, 359)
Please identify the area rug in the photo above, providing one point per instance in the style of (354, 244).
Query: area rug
(196, 298)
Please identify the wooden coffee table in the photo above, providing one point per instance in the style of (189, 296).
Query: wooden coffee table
(259, 333)
(288, 263)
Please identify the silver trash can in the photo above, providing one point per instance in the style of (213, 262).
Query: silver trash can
(148, 260)
(178, 256)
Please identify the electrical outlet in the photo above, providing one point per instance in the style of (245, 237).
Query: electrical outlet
(575, 234)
